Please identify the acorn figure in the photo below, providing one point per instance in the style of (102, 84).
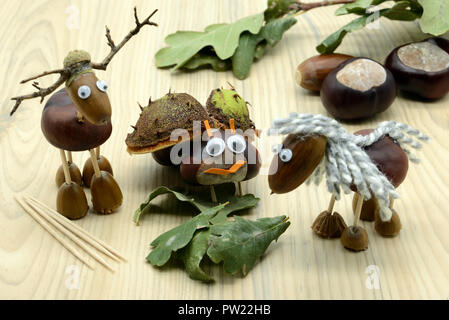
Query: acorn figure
(370, 163)
(78, 118)
(208, 145)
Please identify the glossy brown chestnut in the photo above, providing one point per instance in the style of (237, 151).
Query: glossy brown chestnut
(62, 129)
(106, 193)
(254, 161)
(75, 174)
(355, 238)
(389, 158)
(358, 88)
(71, 201)
(88, 170)
(307, 153)
(310, 73)
(421, 68)
(163, 157)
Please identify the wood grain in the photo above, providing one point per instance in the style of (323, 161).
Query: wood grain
(35, 35)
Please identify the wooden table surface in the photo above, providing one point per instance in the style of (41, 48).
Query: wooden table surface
(35, 35)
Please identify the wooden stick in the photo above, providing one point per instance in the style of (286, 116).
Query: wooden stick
(330, 208)
(240, 188)
(52, 232)
(69, 157)
(62, 221)
(65, 167)
(80, 230)
(71, 236)
(391, 202)
(97, 151)
(93, 156)
(358, 209)
(213, 195)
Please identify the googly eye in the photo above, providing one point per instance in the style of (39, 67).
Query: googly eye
(102, 85)
(236, 143)
(215, 147)
(84, 92)
(277, 148)
(285, 155)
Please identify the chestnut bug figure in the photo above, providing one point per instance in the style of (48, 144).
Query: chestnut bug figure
(78, 118)
(370, 163)
(210, 145)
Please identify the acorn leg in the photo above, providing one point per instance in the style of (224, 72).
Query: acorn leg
(88, 170)
(329, 224)
(355, 238)
(74, 171)
(239, 189)
(71, 201)
(105, 191)
(389, 228)
(213, 195)
(368, 208)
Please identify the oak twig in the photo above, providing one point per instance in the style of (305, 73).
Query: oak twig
(300, 6)
(115, 48)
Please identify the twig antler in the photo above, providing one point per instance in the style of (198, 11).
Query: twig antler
(66, 73)
(115, 48)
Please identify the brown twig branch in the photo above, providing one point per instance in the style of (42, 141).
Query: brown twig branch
(115, 48)
(300, 6)
(46, 73)
(42, 92)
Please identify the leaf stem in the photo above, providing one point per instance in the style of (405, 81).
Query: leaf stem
(300, 6)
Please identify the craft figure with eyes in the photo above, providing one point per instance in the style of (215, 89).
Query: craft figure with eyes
(371, 162)
(218, 150)
(78, 118)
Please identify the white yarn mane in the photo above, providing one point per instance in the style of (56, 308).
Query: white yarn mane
(345, 162)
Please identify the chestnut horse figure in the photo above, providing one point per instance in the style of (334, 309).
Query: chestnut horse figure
(78, 118)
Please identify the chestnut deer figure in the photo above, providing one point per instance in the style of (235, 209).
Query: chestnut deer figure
(371, 163)
(78, 118)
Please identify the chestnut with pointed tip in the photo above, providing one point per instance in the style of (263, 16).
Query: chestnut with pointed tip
(358, 88)
(305, 155)
(71, 201)
(389, 228)
(311, 73)
(421, 68)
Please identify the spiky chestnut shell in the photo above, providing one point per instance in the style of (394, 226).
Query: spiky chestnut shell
(346, 97)
(161, 117)
(226, 104)
(412, 76)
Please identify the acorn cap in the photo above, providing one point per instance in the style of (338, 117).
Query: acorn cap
(328, 225)
(355, 238)
(76, 56)
(225, 104)
(161, 117)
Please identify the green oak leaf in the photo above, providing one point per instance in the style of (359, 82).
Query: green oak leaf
(193, 254)
(277, 8)
(403, 11)
(235, 204)
(241, 243)
(358, 7)
(179, 237)
(204, 60)
(435, 17)
(199, 199)
(246, 51)
(224, 39)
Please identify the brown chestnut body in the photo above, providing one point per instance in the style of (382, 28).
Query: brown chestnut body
(427, 82)
(373, 90)
(254, 161)
(389, 158)
(62, 129)
(307, 154)
(311, 73)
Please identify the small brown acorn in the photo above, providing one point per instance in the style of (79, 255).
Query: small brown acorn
(355, 238)
(389, 228)
(71, 201)
(368, 208)
(106, 193)
(329, 225)
(75, 174)
(88, 170)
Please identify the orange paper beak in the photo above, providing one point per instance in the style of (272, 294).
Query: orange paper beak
(235, 167)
